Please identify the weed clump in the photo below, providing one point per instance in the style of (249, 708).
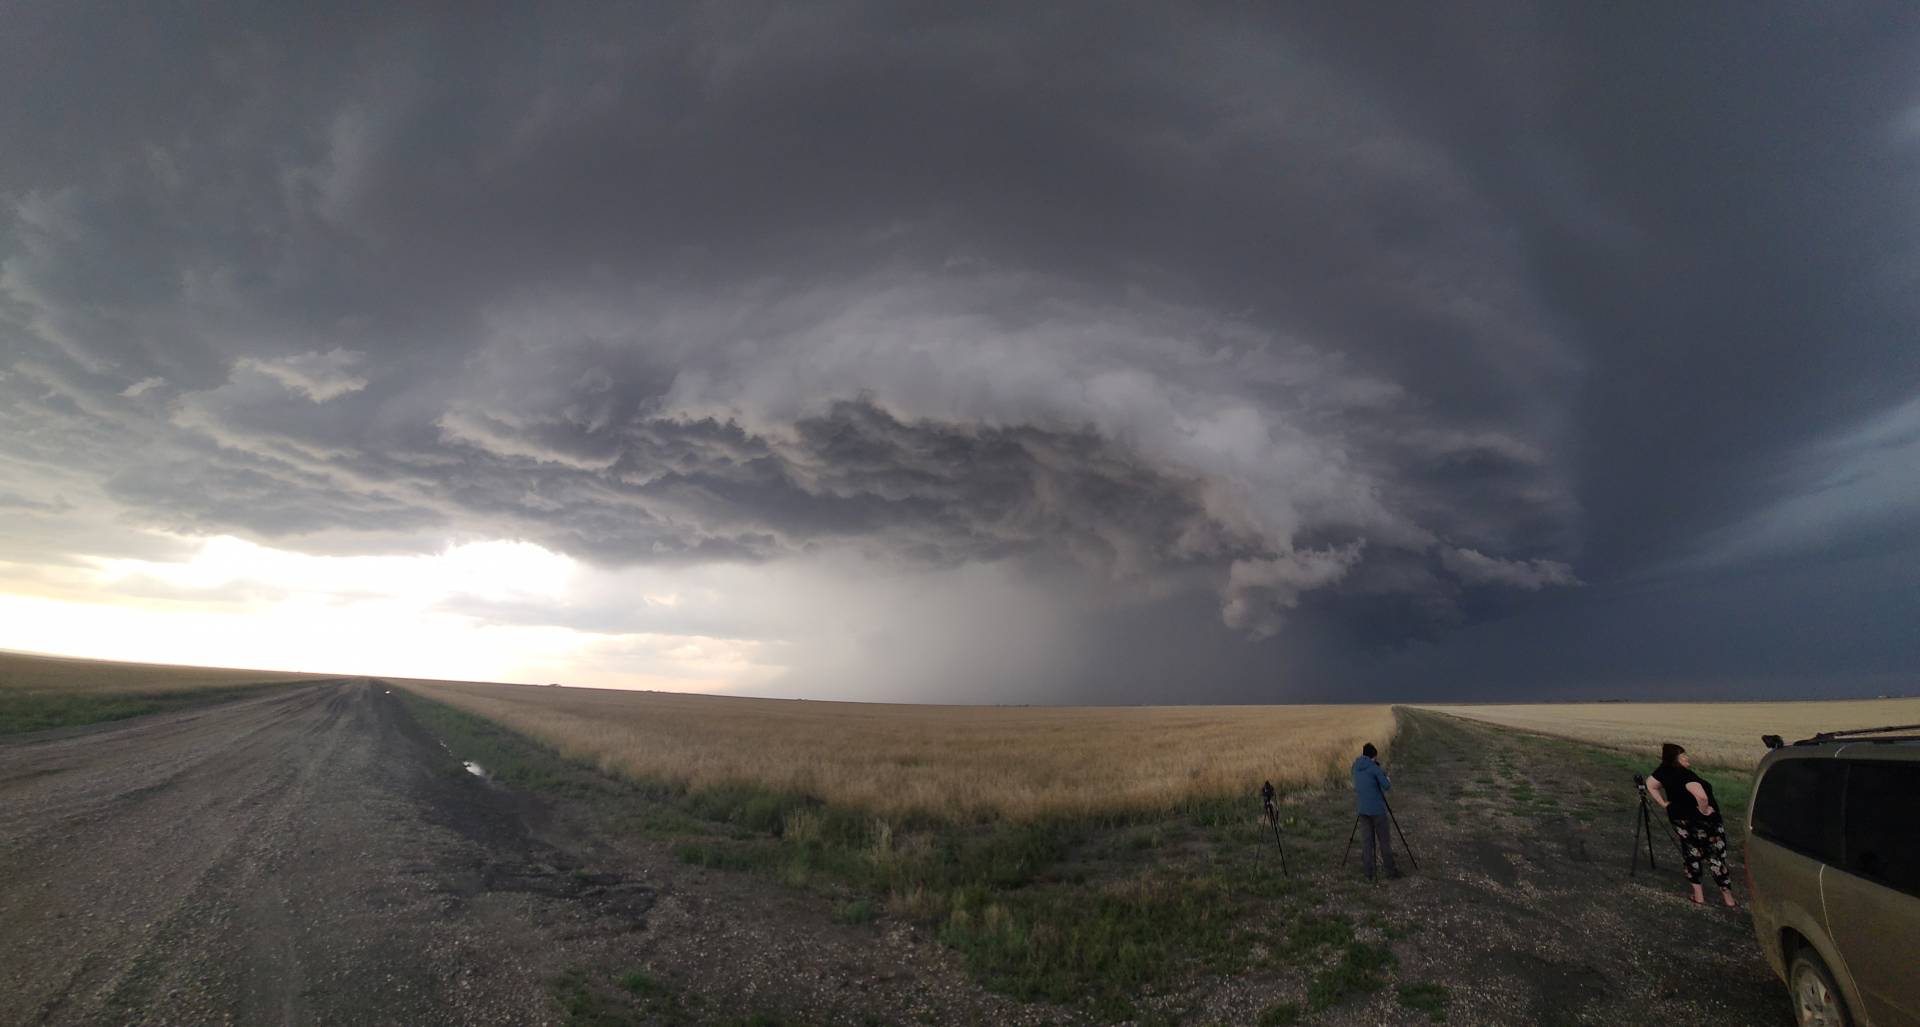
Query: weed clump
(855, 911)
(1280, 1014)
(1357, 972)
(1431, 999)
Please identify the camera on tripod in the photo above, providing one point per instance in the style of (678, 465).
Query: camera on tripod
(1640, 782)
(1271, 814)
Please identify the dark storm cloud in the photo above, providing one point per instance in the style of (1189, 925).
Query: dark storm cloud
(1719, 209)
(1353, 329)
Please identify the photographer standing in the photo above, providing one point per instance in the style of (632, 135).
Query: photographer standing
(1688, 800)
(1370, 787)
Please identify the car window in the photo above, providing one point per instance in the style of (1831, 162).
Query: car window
(1883, 823)
(1798, 805)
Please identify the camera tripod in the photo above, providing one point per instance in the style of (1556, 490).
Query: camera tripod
(1272, 817)
(1643, 825)
(1355, 833)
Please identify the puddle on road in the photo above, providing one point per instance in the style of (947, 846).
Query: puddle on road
(472, 766)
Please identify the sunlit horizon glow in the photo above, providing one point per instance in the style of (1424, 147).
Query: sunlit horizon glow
(235, 603)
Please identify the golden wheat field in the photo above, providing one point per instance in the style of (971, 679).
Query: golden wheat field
(1724, 734)
(954, 762)
(28, 673)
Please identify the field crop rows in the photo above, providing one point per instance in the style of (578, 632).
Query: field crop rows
(949, 762)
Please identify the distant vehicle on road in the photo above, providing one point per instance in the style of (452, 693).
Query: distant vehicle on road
(1833, 868)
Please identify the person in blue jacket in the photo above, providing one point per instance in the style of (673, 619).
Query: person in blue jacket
(1370, 787)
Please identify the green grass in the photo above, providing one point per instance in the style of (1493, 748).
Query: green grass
(1732, 788)
(1280, 1014)
(1087, 913)
(856, 911)
(727, 855)
(637, 999)
(586, 1002)
(1389, 929)
(1431, 999)
(1312, 932)
(517, 761)
(640, 982)
(1101, 945)
(1355, 973)
(39, 711)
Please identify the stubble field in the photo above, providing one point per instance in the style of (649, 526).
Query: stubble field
(38, 692)
(31, 672)
(1724, 734)
(956, 763)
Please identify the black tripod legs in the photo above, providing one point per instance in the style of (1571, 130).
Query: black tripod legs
(1679, 845)
(1408, 849)
(1355, 833)
(1642, 825)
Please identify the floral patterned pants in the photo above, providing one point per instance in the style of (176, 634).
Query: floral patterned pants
(1705, 842)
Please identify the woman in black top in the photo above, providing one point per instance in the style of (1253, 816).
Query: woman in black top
(1688, 800)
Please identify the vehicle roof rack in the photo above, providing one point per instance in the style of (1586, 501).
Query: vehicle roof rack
(1862, 734)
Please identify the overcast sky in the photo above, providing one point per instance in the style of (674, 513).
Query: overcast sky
(1034, 352)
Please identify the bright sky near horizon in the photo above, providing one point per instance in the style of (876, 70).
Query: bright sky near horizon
(1056, 353)
(239, 604)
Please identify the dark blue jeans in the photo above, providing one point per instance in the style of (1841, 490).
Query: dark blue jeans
(1372, 827)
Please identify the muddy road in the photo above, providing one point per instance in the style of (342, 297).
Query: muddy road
(303, 857)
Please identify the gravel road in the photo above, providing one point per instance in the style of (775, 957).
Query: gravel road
(314, 856)
(302, 857)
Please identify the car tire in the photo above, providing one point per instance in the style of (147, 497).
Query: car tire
(1817, 1001)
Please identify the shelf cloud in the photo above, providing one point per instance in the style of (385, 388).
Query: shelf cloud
(1278, 345)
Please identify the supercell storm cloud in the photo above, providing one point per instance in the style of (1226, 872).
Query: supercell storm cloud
(1242, 342)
